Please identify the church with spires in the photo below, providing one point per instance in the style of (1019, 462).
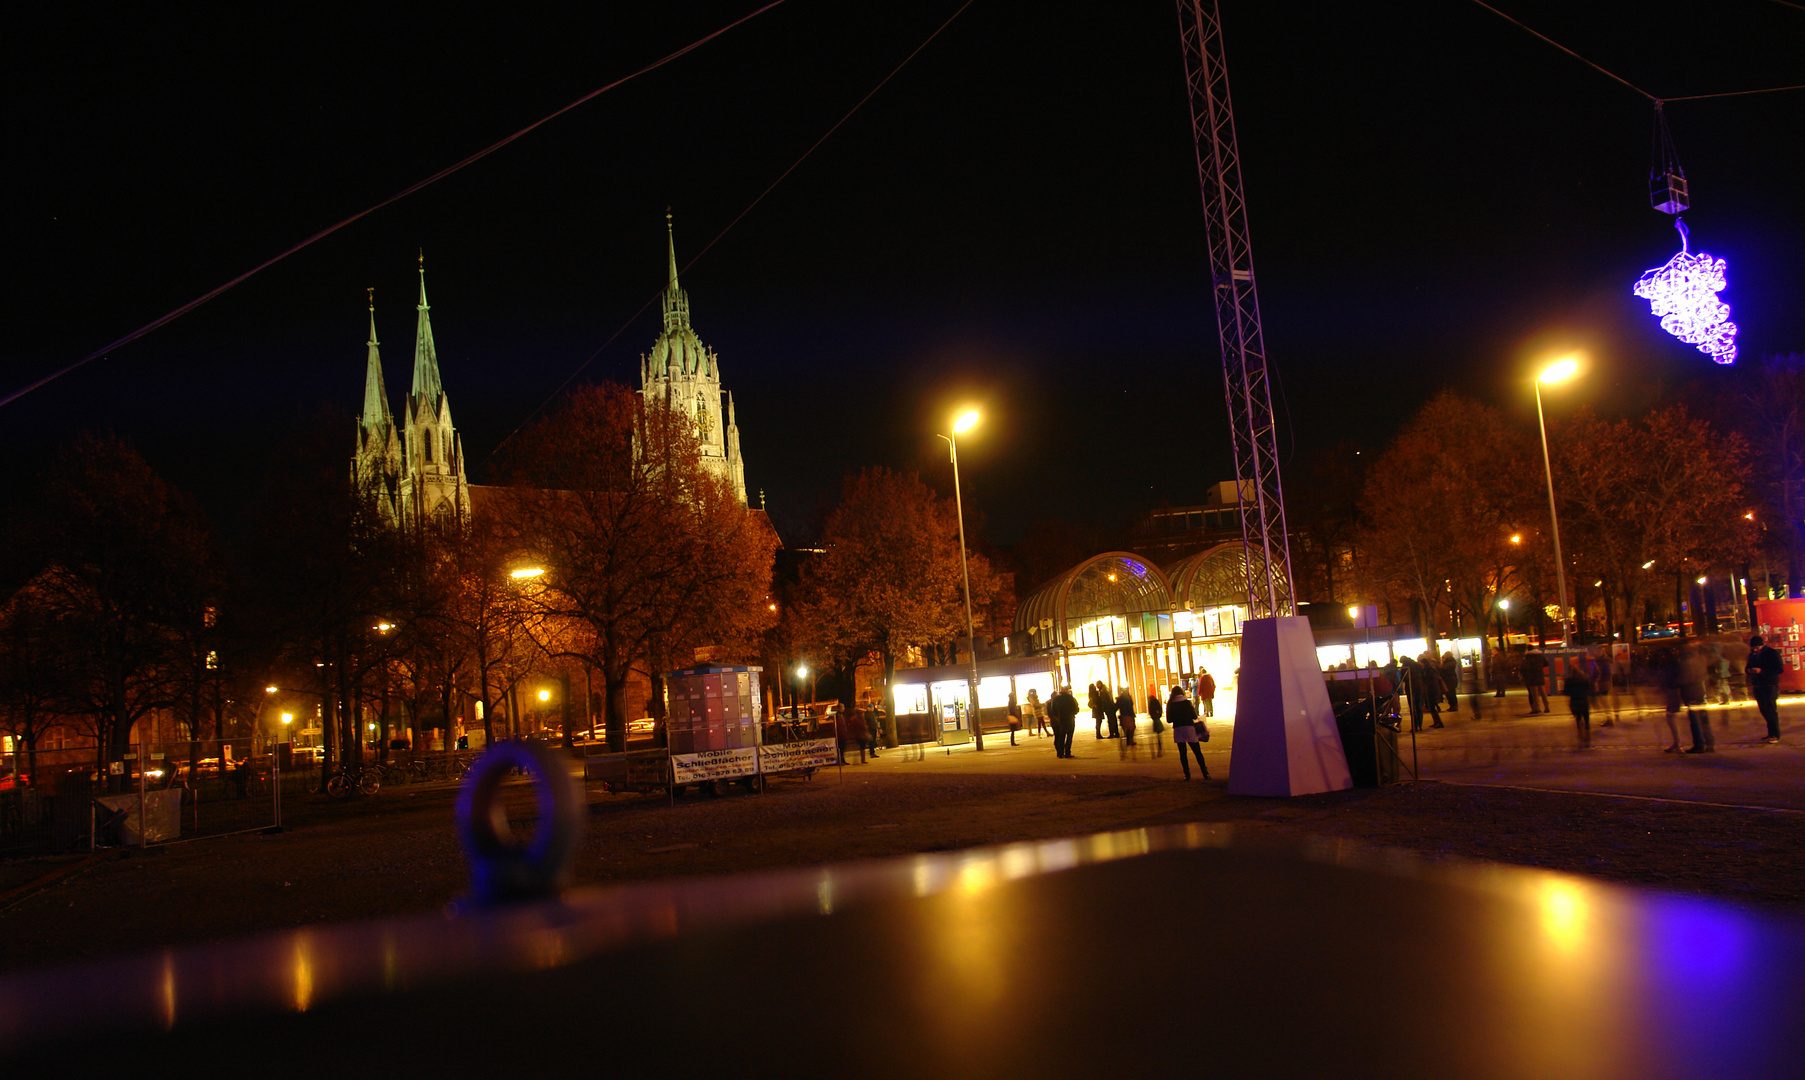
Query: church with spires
(415, 473)
(414, 470)
(685, 373)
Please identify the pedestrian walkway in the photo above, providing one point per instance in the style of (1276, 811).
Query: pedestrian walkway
(1499, 743)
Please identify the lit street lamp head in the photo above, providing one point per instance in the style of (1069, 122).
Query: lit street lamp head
(1560, 371)
(528, 572)
(545, 695)
(966, 421)
(269, 689)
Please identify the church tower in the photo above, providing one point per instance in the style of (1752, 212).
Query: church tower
(376, 466)
(687, 374)
(433, 487)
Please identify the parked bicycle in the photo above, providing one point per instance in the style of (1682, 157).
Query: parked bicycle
(358, 779)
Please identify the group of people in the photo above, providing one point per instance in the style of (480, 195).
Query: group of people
(1118, 710)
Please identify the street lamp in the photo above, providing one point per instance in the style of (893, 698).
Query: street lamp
(1559, 371)
(962, 424)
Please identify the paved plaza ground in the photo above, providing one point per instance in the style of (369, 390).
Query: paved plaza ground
(1506, 786)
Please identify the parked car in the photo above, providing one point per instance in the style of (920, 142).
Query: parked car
(1656, 630)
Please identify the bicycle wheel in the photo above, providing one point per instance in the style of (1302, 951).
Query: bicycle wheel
(369, 783)
(338, 785)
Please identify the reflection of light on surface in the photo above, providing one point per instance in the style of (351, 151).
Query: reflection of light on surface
(1565, 910)
(390, 962)
(1019, 862)
(976, 876)
(824, 895)
(923, 877)
(168, 991)
(303, 963)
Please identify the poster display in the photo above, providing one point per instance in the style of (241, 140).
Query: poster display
(810, 753)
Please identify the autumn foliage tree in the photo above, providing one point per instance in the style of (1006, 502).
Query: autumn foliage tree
(1645, 499)
(1441, 505)
(645, 548)
(888, 577)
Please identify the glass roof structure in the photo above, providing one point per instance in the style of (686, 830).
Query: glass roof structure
(1117, 586)
(1214, 577)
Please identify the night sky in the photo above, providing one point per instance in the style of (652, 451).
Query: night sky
(1436, 199)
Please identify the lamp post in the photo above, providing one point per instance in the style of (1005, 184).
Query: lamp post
(1559, 371)
(966, 421)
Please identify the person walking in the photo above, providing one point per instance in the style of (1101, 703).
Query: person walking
(1720, 674)
(1125, 711)
(1763, 668)
(1450, 679)
(1098, 709)
(1206, 694)
(1036, 715)
(1186, 725)
(849, 728)
(1155, 708)
(1692, 675)
(1578, 688)
(1063, 708)
(1535, 680)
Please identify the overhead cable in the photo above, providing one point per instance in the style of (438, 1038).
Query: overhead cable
(398, 196)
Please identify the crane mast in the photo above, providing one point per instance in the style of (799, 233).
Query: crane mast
(1251, 428)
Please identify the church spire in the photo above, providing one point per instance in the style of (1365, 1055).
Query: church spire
(376, 396)
(676, 304)
(427, 387)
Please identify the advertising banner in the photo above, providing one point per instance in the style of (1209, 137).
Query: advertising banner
(782, 757)
(714, 765)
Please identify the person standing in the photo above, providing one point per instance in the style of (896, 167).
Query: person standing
(1015, 718)
(1495, 673)
(849, 728)
(1109, 709)
(1535, 680)
(1578, 688)
(1692, 691)
(1450, 679)
(1206, 695)
(1063, 708)
(1667, 675)
(1125, 711)
(1098, 709)
(1186, 724)
(1763, 669)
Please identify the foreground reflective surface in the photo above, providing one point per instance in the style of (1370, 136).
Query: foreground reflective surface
(1131, 953)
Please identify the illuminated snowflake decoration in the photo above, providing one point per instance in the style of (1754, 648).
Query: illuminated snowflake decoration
(1684, 294)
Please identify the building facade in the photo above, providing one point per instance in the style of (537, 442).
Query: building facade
(685, 373)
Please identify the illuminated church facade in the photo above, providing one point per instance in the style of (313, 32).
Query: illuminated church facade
(413, 468)
(685, 373)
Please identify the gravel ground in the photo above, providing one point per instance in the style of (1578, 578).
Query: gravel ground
(395, 854)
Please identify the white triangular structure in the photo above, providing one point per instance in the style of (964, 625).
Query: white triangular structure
(1286, 742)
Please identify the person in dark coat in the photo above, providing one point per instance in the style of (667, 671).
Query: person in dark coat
(1015, 718)
(1098, 709)
(1125, 712)
(849, 728)
(1155, 709)
(1578, 689)
(1535, 680)
(1063, 708)
(1693, 672)
(1763, 668)
(1450, 679)
(1182, 715)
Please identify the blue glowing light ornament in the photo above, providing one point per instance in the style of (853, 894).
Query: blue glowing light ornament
(1684, 295)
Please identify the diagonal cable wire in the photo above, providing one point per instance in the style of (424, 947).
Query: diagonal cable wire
(397, 197)
(631, 319)
(1601, 69)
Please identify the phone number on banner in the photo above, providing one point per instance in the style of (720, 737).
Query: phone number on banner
(714, 765)
(815, 753)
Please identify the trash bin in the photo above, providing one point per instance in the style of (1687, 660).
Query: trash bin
(1355, 722)
(1371, 748)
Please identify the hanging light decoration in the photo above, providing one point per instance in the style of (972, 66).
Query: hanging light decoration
(1683, 293)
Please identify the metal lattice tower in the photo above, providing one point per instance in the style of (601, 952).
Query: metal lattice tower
(1251, 427)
